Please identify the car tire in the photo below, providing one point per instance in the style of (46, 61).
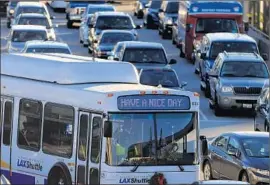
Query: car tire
(182, 54)
(173, 41)
(85, 45)
(8, 25)
(69, 24)
(90, 51)
(81, 41)
(244, 177)
(207, 171)
(164, 35)
(149, 24)
(266, 126)
(217, 109)
(207, 90)
(196, 71)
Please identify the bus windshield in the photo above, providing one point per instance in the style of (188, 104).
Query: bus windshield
(154, 138)
(212, 25)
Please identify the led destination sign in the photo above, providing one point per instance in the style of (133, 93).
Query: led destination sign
(153, 102)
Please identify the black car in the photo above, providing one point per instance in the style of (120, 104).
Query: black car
(168, 14)
(151, 19)
(108, 39)
(262, 118)
(237, 156)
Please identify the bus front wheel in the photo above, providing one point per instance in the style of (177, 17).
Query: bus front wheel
(58, 176)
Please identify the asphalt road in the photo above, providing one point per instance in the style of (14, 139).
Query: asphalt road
(210, 124)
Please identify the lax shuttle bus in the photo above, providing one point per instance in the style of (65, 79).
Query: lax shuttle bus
(85, 122)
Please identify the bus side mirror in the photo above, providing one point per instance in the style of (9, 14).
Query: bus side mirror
(108, 129)
(204, 145)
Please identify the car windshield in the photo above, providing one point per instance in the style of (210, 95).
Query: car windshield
(172, 7)
(48, 50)
(145, 55)
(39, 10)
(34, 21)
(114, 22)
(113, 38)
(155, 4)
(93, 10)
(155, 138)
(23, 36)
(241, 47)
(159, 77)
(244, 69)
(212, 25)
(256, 147)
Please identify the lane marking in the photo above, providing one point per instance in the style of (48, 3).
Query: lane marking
(203, 115)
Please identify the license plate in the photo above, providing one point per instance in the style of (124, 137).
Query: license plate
(248, 106)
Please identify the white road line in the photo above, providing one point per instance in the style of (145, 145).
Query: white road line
(203, 115)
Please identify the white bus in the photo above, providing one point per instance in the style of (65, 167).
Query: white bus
(91, 122)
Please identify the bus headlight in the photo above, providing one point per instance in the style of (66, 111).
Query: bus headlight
(226, 89)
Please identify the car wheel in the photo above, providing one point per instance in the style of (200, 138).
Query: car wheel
(81, 41)
(207, 171)
(164, 35)
(244, 177)
(85, 45)
(69, 24)
(173, 41)
(8, 25)
(149, 23)
(182, 55)
(217, 109)
(90, 51)
(207, 90)
(196, 71)
(266, 126)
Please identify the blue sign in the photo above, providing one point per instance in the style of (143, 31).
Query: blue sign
(230, 7)
(153, 102)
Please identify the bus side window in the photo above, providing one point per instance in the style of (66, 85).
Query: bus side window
(58, 130)
(29, 128)
(95, 145)
(83, 137)
(7, 123)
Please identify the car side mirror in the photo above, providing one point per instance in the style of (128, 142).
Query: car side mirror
(246, 26)
(91, 26)
(234, 152)
(172, 61)
(203, 56)
(204, 145)
(108, 129)
(52, 17)
(95, 41)
(160, 10)
(187, 27)
(183, 84)
(265, 56)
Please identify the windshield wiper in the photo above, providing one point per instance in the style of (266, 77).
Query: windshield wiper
(139, 164)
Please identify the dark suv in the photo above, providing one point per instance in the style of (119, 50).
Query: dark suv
(168, 14)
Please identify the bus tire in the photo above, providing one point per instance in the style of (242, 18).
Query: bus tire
(59, 174)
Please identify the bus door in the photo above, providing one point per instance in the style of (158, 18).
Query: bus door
(6, 135)
(82, 147)
(94, 154)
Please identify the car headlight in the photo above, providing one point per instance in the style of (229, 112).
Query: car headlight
(262, 172)
(11, 11)
(168, 20)
(226, 89)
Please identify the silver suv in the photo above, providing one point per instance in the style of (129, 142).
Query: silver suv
(236, 81)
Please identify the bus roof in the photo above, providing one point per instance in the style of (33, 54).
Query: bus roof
(67, 70)
(215, 7)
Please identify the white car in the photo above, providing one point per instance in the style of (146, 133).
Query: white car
(36, 19)
(46, 47)
(20, 34)
(83, 31)
(30, 7)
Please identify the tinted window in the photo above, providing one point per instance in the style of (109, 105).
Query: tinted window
(29, 128)
(145, 55)
(256, 147)
(39, 10)
(244, 69)
(58, 130)
(34, 21)
(95, 145)
(241, 47)
(221, 142)
(155, 78)
(93, 10)
(155, 4)
(24, 36)
(206, 25)
(48, 50)
(83, 137)
(172, 7)
(7, 123)
(114, 22)
(233, 144)
(113, 38)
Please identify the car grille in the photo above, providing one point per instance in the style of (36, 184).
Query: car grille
(249, 90)
(246, 101)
